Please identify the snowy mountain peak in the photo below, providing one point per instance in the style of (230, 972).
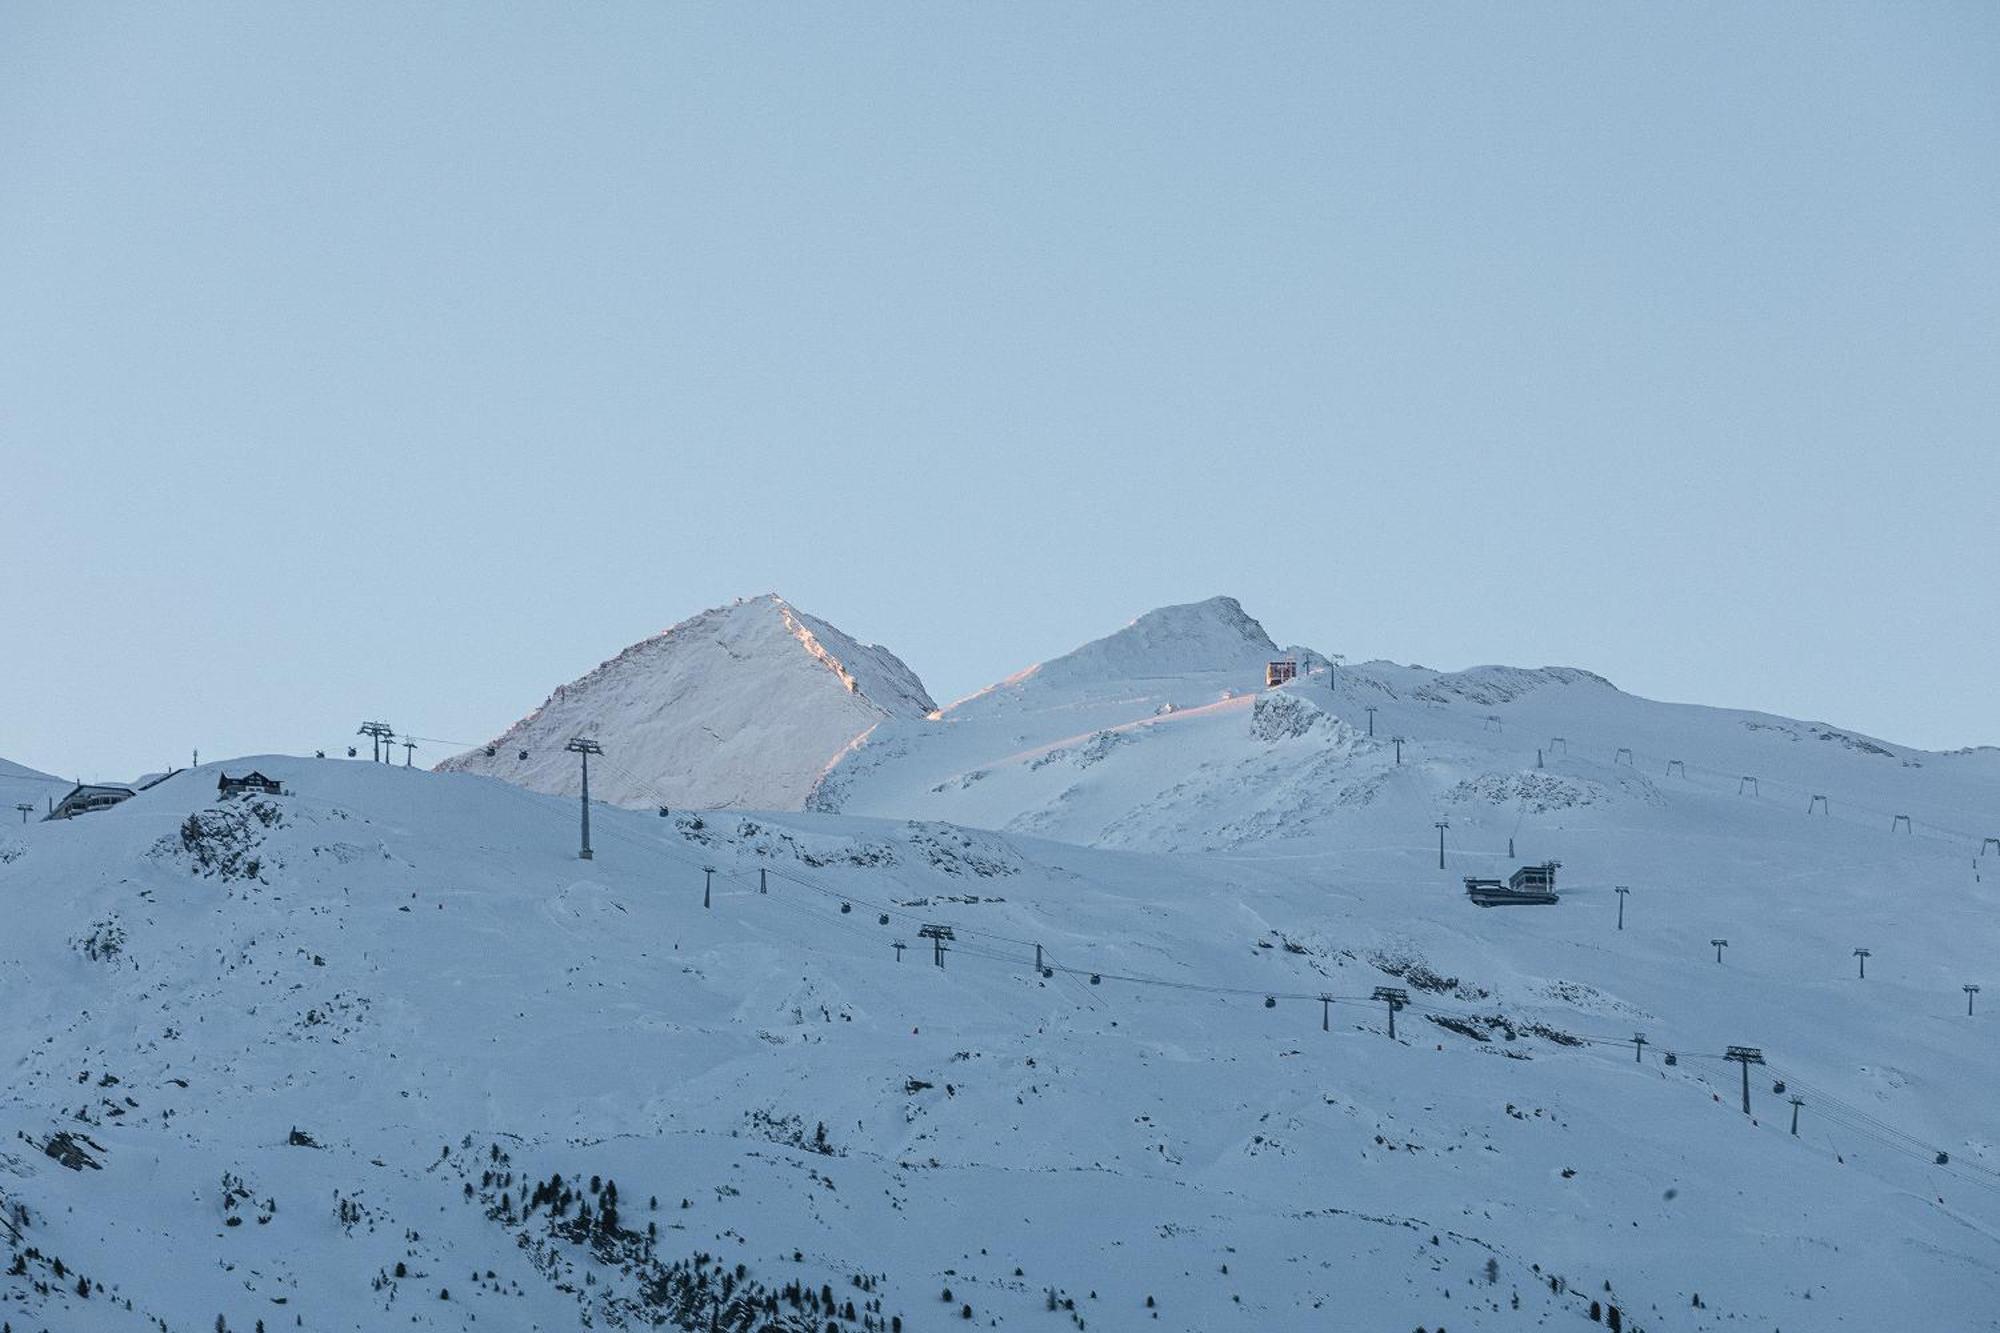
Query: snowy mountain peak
(742, 705)
(870, 670)
(1190, 639)
(1212, 635)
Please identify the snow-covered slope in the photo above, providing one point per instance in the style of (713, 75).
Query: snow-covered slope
(739, 707)
(1201, 639)
(1013, 754)
(21, 785)
(320, 1060)
(313, 1060)
(1163, 737)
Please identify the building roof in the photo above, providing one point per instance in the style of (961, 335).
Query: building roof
(97, 786)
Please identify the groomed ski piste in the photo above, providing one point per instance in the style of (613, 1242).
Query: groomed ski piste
(365, 1054)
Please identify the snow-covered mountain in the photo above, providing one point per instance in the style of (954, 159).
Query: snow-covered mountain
(1163, 737)
(740, 707)
(1173, 674)
(1179, 644)
(369, 1053)
(373, 1054)
(21, 785)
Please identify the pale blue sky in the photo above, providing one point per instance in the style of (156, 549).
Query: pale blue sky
(407, 360)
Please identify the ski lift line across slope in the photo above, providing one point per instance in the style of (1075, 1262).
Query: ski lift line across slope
(1520, 819)
(1879, 1126)
(1129, 978)
(1836, 1111)
(1849, 1118)
(1061, 968)
(1050, 961)
(672, 852)
(1932, 829)
(781, 873)
(792, 876)
(1844, 803)
(440, 740)
(1844, 1114)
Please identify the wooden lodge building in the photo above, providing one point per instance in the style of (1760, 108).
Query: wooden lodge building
(252, 783)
